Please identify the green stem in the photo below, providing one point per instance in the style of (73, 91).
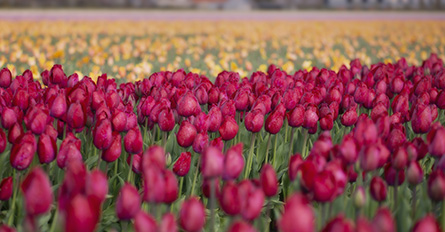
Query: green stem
(275, 151)
(195, 177)
(55, 219)
(396, 182)
(181, 183)
(99, 158)
(250, 157)
(212, 205)
(303, 150)
(267, 148)
(14, 196)
(130, 167)
(443, 216)
(164, 139)
(414, 202)
(285, 131)
(291, 143)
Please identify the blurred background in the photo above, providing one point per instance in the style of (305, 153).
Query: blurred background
(234, 4)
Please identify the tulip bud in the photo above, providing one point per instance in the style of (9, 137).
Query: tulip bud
(390, 175)
(339, 223)
(294, 164)
(421, 119)
(46, 149)
(437, 146)
(205, 187)
(102, 134)
(5, 78)
(114, 151)
(182, 165)
(154, 185)
(133, 141)
(3, 141)
(22, 154)
(96, 185)
(75, 116)
(15, 133)
(359, 197)
(119, 120)
(240, 226)
(192, 215)
(201, 142)
(269, 181)
(188, 105)
(228, 129)
(383, 221)
(414, 173)
(37, 192)
(171, 187)
(69, 151)
(297, 215)
(274, 122)
(427, 223)
(58, 107)
(233, 162)
(400, 158)
(168, 223)
(8, 117)
(324, 186)
(295, 117)
(6, 189)
(378, 189)
(128, 202)
(212, 163)
(144, 222)
(436, 185)
(186, 134)
(369, 157)
(229, 199)
(252, 200)
(214, 119)
(5, 228)
(254, 121)
(21, 99)
(166, 120)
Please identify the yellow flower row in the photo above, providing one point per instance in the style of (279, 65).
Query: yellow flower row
(135, 49)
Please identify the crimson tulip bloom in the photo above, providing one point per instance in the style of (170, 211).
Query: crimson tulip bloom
(168, 223)
(6, 189)
(233, 162)
(188, 105)
(436, 185)
(229, 199)
(378, 189)
(228, 129)
(5, 78)
(37, 192)
(252, 200)
(3, 141)
(212, 163)
(297, 214)
(427, 223)
(274, 122)
(102, 134)
(23, 153)
(254, 121)
(128, 202)
(46, 149)
(171, 187)
(114, 151)
(324, 186)
(182, 165)
(133, 141)
(268, 180)
(186, 134)
(96, 185)
(59, 107)
(214, 119)
(383, 221)
(192, 215)
(82, 214)
(75, 116)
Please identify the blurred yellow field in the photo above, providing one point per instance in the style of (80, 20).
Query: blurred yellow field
(135, 49)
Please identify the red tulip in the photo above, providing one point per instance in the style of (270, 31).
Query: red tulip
(339, 223)
(23, 153)
(168, 223)
(59, 107)
(294, 164)
(133, 141)
(378, 189)
(102, 134)
(240, 226)
(400, 158)
(205, 187)
(21, 99)
(254, 121)
(46, 149)
(201, 142)
(383, 221)
(228, 129)
(69, 151)
(5, 78)
(182, 165)
(274, 121)
(128, 202)
(75, 116)
(252, 200)
(188, 105)
(214, 119)
(233, 162)
(186, 134)
(166, 120)
(114, 151)
(154, 185)
(437, 147)
(390, 175)
(9, 117)
(212, 163)
(96, 185)
(427, 223)
(421, 118)
(436, 185)
(269, 181)
(37, 192)
(414, 173)
(324, 186)
(119, 120)
(295, 117)
(3, 141)
(297, 214)
(229, 199)
(171, 187)
(144, 222)
(6, 189)
(201, 122)
(192, 215)
(5, 228)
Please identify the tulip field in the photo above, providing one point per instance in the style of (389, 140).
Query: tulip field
(222, 126)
